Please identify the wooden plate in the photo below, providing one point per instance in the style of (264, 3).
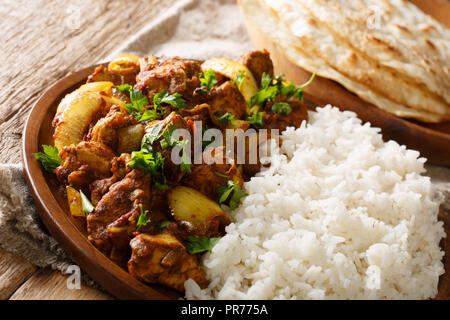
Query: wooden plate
(71, 233)
(432, 140)
(52, 203)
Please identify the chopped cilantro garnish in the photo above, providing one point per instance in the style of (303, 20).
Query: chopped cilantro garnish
(238, 79)
(186, 164)
(86, 204)
(256, 119)
(232, 189)
(125, 87)
(238, 194)
(49, 159)
(208, 79)
(139, 102)
(163, 224)
(263, 95)
(175, 100)
(266, 80)
(272, 87)
(144, 219)
(153, 135)
(200, 244)
(221, 175)
(226, 118)
(150, 162)
(168, 140)
(281, 107)
(307, 83)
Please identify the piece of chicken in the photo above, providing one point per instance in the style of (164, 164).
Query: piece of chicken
(123, 197)
(258, 62)
(105, 130)
(175, 75)
(215, 171)
(227, 98)
(118, 77)
(84, 163)
(119, 169)
(163, 259)
(282, 121)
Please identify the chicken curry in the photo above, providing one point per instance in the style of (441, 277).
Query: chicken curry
(113, 144)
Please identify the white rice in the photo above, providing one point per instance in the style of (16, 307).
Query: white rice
(339, 215)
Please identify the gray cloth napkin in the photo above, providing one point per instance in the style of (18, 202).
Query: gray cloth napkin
(196, 29)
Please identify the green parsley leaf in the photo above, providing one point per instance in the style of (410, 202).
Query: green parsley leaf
(226, 118)
(149, 114)
(200, 244)
(168, 140)
(49, 159)
(266, 80)
(224, 192)
(256, 119)
(221, 175)
(125, 87)
(175, 100)
(263, 95)
(139, 102)
(272, 87)
(163, 224)
(238, 79)
(186, 164)
(238, 194)
(144, 219)
(208, 79)
(86, 204)
(153, 135)
(281, 107)
(307, 83)
(232, 189)
(151, 162)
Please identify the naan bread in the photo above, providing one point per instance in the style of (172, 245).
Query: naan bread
(406, 39)
(260, 16)
(340, 55)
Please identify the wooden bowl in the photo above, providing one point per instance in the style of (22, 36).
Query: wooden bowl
(432, 140)
(71, 233)
(52, 203)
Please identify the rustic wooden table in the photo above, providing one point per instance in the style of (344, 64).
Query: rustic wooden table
(42, 42)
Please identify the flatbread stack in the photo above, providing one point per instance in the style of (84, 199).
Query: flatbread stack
(388, 52)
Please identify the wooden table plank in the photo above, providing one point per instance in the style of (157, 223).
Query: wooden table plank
(46, 284)
(13, 272)
(45, 40)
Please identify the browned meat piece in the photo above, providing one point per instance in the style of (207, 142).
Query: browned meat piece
(124, 75)
(175, 75)
(84, 163)
(105, 130)
(171, 170)
(198, 113)
(281, 121)
(163, 259)
(119, 169)
(206, 178)
(122, 198)
(227, 98)
(258, 62)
